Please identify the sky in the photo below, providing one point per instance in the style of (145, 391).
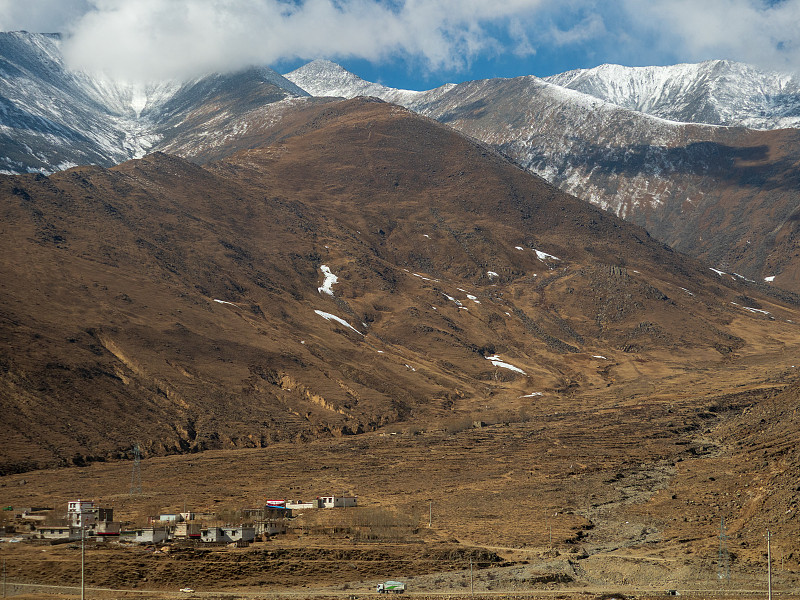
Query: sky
(410, 44)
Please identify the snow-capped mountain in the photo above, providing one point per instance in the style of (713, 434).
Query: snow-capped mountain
(717, 92)
(627, 146)
(52, 118)
(325, 78)
(707, 190)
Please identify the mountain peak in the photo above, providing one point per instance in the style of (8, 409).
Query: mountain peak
(322, 77)
(714, 92)
(325, 78)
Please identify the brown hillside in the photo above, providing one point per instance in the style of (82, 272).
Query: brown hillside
(174, 305)
(626, 398)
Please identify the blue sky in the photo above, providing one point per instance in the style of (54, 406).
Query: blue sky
(413, 44)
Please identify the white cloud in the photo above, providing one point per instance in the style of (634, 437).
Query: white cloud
(167, 38)
(760, 32)
(154, 39)
(41, 16)
(588, 29)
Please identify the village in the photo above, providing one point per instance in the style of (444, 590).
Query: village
(84, 520)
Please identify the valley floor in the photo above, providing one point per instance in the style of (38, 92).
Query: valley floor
(623, 491)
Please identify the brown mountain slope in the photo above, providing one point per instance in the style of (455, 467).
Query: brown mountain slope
(727, 195)
(187, 308)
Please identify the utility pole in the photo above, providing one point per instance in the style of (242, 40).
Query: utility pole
(83, 559)
(430, 514)
(471, 580)
(769, 567)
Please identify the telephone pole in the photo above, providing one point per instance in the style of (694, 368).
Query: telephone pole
(769, 567)
(83, 560)
(471, 580)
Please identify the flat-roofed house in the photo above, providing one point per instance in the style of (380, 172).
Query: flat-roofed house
(229, 534)
(337, 501)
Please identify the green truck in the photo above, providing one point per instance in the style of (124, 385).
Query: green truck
(396, 587)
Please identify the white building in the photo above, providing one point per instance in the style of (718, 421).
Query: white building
(229, 534)
(93, 520)
(151, 535)
(172, 518)
(58, 532)
(81, 513)
(337, 501)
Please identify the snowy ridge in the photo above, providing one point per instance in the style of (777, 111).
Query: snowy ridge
(717, 92)
(325, 78)
(53, 118)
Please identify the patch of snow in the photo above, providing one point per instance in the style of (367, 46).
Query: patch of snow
(687, 291)
(473, 298)
(769, 279)
(718, 272)
(533, 395)
(599, 356)
(425, 278)
(330, 317)
(492, 275)
(519, 247)
(497, 362)
(225, 302)
(330, 279)
(456, 302)
(411, 368)
(544, 255)
(756, 310)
